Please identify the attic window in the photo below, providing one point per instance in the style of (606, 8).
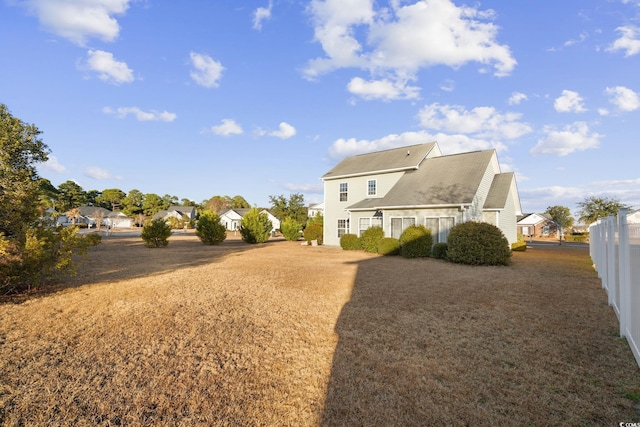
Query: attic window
(371, 187)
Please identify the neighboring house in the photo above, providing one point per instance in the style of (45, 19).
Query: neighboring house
(93, 215)
(315, 210)
(231, 218)
(537, 225)
(418, 185)
(633, 217)
(178, 212)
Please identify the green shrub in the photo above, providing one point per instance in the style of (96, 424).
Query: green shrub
(576, 237)
(519, 246)
(255, 227)
(93, 239)
(156, 233)
(314, 232)
(478, 243)
(209, 229)
(389, 246)
(439, 250)
(371, 238)
(416, 241)
(350, 242)
(290, 229)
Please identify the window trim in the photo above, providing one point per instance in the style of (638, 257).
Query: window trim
(375, 187)
(343, 194)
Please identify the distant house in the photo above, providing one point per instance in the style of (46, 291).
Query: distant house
(411, 185)
(231, 218)
(178, 212)
(95, 216)
(633, 217)
(315, 210)
(537, 225)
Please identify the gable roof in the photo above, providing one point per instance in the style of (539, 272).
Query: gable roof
(93, 211)
(396, 159)
(444, 180)
(184, 210)
(499, 191)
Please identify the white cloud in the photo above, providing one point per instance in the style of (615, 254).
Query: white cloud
(108, 69)
(583, 36)
(516, 98)
(623, 98)
(449, 144)
(483, 122)
(143, 116)
(78, 21)
(569, 102)
(261, 14)
(396, 42)
(382, 89)
(98, 173)
(207, 72)
(285, 131)
(574, 137)
(629, 41)
(228, 127)
(53, 165)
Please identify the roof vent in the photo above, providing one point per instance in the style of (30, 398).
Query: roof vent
(408, 152)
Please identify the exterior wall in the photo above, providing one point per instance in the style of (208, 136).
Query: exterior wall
(334, 209)
(230, 220)
(420, 216)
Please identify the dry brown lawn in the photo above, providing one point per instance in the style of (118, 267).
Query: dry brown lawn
(284, 335)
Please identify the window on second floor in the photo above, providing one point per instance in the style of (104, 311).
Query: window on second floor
(343, 191)
(371, 187)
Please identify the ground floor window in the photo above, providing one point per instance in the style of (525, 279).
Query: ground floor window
(343, 227)
(433, 224)
(364, 223)
(446, 224)
(399, 224)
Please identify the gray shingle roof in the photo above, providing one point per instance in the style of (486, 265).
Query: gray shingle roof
(499, 191)
(403, 158)
(445, 180)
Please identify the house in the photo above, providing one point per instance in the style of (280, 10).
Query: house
(94, 216)
(178, 212)
(537, 225)
(315, 210)
(231, 218)
(411, 185)
(633, 217)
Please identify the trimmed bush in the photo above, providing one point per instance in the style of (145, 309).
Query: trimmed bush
(519, 246)
(350, 242)
(371, 238)
(156, 233)
(209, 229)
(439, 250)
(314, 232)
(478, 243)
(389, 246)
(255, 227)
(290, 229)
(416, 242)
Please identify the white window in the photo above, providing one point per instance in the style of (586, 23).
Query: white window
(371, 187)
(344, 187)
(343, 227)
(446, 223)
(433, 224)
(399, 224)
(364, 223)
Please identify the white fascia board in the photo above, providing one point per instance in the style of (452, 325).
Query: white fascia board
(354, 175)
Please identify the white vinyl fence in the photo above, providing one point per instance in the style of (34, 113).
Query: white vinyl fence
(615, 251)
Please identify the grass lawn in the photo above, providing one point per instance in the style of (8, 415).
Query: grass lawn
(281, 334)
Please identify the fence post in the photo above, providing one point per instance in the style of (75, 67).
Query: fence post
(611, 262)
(624, 273)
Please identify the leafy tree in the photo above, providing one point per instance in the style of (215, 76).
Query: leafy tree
(290, 229)
(238, 202)
(209, 228)
(152, 204)
(70, 195)
(255, 227)
(113, 197)
(156, 233)
(187, 202)
(594, 208)
(294, 207)
(217, 204)
(93, 199)
(562, 217)
(48, 195)
(20, 148)
(168, 200)
(132, 203)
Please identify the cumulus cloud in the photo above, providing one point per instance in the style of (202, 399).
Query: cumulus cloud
(629, 41)
(140, 115)
(569, 102)
(285, 131)
(261, 14)
(79, 21)
(516, 98)
(98, 173)
(574, 137)
(228, 127)
(108, 68)
(53, 165)
(206, 71)
(623, 98)
(483, 122)
(382, 89)
(395, 42)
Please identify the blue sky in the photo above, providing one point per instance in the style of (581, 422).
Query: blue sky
(260, 98)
